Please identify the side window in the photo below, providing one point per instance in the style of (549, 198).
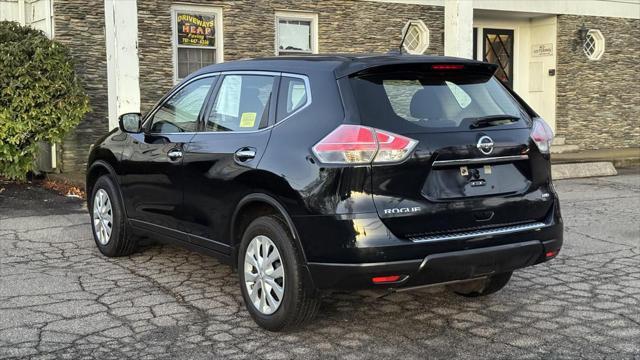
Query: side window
(180, 112)
(291, 96)
(242, 103)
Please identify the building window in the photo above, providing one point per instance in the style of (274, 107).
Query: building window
(296, 33)
(593, 45)
(197, 38)
(416, 37)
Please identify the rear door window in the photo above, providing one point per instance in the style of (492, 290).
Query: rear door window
(419, 101)
(242, 103)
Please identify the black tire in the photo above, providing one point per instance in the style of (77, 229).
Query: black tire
(481, 287)
(299, 303)
(121, 242)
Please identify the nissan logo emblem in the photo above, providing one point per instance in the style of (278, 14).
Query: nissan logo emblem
(485, 145)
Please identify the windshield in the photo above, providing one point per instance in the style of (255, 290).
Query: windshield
(412, 101)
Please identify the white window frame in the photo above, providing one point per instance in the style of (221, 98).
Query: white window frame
(298, 16)
(424, 37)
(200, 10)
(598, 45)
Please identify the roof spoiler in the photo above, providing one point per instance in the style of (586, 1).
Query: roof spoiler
(410, 63)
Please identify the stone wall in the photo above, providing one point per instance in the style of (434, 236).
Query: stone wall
(598, 102)
(79, 24)
(249, 31)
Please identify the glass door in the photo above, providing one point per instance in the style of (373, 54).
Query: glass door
(498, 49)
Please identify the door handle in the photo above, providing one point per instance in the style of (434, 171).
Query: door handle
(174, 155)
(245, 154)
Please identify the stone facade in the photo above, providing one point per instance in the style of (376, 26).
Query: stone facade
(598, 102)
(249, 31)
(79, 24)
(345, 26)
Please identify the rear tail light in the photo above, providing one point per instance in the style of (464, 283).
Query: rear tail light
(359, 145)
(542, 135)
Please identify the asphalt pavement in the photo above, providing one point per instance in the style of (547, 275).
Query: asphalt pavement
(59, 298)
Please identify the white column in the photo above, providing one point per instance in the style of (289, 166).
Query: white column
(123, 71)
(22, 15)
(458, 28)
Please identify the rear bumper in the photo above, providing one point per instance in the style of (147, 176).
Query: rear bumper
(348, 253)
(434, 268)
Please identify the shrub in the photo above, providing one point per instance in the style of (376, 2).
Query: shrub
(40, 96)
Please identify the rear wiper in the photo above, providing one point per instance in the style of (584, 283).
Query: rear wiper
(483, 121)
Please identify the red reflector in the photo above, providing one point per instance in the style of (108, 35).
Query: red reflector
(550, 254)
(385, 279)
(447, 67)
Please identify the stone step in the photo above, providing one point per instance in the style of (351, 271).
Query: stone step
(561, 149)
(621, 158)
(558, 140)
(582, 170)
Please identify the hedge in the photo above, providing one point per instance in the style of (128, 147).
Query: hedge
(40, 96)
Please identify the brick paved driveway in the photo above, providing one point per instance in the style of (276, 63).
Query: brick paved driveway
(59, 298)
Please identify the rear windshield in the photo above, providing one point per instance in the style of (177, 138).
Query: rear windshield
(412, 101)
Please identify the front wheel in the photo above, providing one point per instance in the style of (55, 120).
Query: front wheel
(272, 278)
(481, 287)
(108, 222)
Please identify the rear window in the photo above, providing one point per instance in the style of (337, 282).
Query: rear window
(412, 101)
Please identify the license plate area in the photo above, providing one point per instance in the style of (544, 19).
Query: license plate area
(474, 180)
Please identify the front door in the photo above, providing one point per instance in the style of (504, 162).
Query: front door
(217, 159)
(498, 49)
(152, 173)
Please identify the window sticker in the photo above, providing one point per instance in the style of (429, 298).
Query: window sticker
(248, 120)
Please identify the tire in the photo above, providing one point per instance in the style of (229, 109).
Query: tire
(482, 287)
(299, 303)
(120, 241)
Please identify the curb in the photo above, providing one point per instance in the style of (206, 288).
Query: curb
(582, 170)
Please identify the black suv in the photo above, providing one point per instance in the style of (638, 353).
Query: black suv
(316, 173)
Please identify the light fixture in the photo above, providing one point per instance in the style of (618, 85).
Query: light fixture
(582, 33)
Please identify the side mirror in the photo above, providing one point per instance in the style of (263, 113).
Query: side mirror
(130, 122)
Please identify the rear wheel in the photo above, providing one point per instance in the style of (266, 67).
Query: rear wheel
(481, 287)
(271, 276)
(108, 222)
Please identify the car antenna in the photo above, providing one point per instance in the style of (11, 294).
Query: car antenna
(404, 36)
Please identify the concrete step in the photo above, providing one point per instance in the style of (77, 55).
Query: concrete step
(558, 140)
(582, 170)
(561, 149)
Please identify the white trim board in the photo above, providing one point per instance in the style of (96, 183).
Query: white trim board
(606, 8)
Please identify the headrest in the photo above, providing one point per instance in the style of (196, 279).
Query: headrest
(426, 105)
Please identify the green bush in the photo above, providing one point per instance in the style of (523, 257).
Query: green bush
(40, 96)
